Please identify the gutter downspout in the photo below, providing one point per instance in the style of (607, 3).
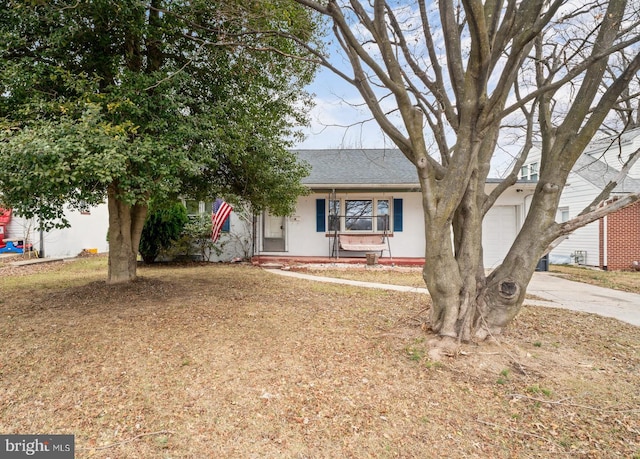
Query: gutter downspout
(605, 243)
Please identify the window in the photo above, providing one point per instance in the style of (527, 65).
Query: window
(524, 171)
(193, 208)
(199, 208)
(358, 215)
(362, 215)
(563, 214)
(334, 215)
(529, 172)
(382, 215)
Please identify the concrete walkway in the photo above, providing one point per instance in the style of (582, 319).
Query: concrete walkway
(555, 292)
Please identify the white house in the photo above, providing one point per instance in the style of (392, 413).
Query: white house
(369, 193)
(612, 242)
(366, 194)
(88, 231)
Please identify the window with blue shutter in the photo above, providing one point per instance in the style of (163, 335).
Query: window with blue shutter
(397, 215)
(321, 215)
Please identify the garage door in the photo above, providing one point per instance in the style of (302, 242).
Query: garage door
(499, 230)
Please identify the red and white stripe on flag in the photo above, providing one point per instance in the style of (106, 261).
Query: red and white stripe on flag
(221, 211)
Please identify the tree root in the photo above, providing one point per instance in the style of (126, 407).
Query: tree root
(443, 346)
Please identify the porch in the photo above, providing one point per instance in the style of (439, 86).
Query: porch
(281, 260)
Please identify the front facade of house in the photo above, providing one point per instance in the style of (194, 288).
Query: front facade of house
(373, 192)
(614, 242)
(352, 192)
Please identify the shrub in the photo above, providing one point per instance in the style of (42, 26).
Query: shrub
(163, 226)
(195, 240)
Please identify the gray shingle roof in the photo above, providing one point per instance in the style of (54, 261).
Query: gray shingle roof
(599, 145)
(600, 174)
(358, 167)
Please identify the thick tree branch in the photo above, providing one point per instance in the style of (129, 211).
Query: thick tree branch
(562, 229)
(606, 191)
(453, 48)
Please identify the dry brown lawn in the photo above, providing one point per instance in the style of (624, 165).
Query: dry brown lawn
(628, 281)
(204, 361)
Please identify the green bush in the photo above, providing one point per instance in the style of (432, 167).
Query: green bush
(195, 240)
(162, 227)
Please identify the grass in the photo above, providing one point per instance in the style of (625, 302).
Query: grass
(628, 281)
(211, 360)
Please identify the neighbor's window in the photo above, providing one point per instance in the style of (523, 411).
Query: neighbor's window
(563, 214)
(84, 208)
(529, 172)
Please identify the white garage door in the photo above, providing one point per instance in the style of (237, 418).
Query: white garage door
(499, 230)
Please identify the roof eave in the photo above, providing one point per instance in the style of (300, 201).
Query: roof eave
(363, 186)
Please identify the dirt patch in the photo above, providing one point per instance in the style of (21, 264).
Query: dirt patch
(198, 361)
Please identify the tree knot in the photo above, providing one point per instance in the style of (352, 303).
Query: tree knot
(508, 289)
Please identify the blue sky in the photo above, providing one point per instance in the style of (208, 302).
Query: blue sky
(339, 120)
(336, 120)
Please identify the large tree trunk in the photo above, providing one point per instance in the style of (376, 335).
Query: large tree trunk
(125, 227)
(467, 303)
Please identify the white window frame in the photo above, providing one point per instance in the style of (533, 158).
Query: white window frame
(563, 214)
(342, 217)
(529, 171)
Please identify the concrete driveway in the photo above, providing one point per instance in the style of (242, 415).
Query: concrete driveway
(555, 292)
(577, 296)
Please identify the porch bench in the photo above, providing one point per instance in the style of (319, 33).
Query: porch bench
(362, 242)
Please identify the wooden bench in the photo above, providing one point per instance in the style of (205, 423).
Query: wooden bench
(362, 242)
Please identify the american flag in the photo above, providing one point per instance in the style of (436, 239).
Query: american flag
(219, 215)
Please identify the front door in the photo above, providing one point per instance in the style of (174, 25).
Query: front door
(274, 233)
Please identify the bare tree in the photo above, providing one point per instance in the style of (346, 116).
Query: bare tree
(442, 79)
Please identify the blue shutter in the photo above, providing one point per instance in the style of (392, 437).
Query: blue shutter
(226, 226)
(397, 215)
(320, 215)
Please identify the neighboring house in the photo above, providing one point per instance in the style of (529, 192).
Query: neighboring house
(373, 192)
(89, 227)
(88, 230)
(613, 242)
